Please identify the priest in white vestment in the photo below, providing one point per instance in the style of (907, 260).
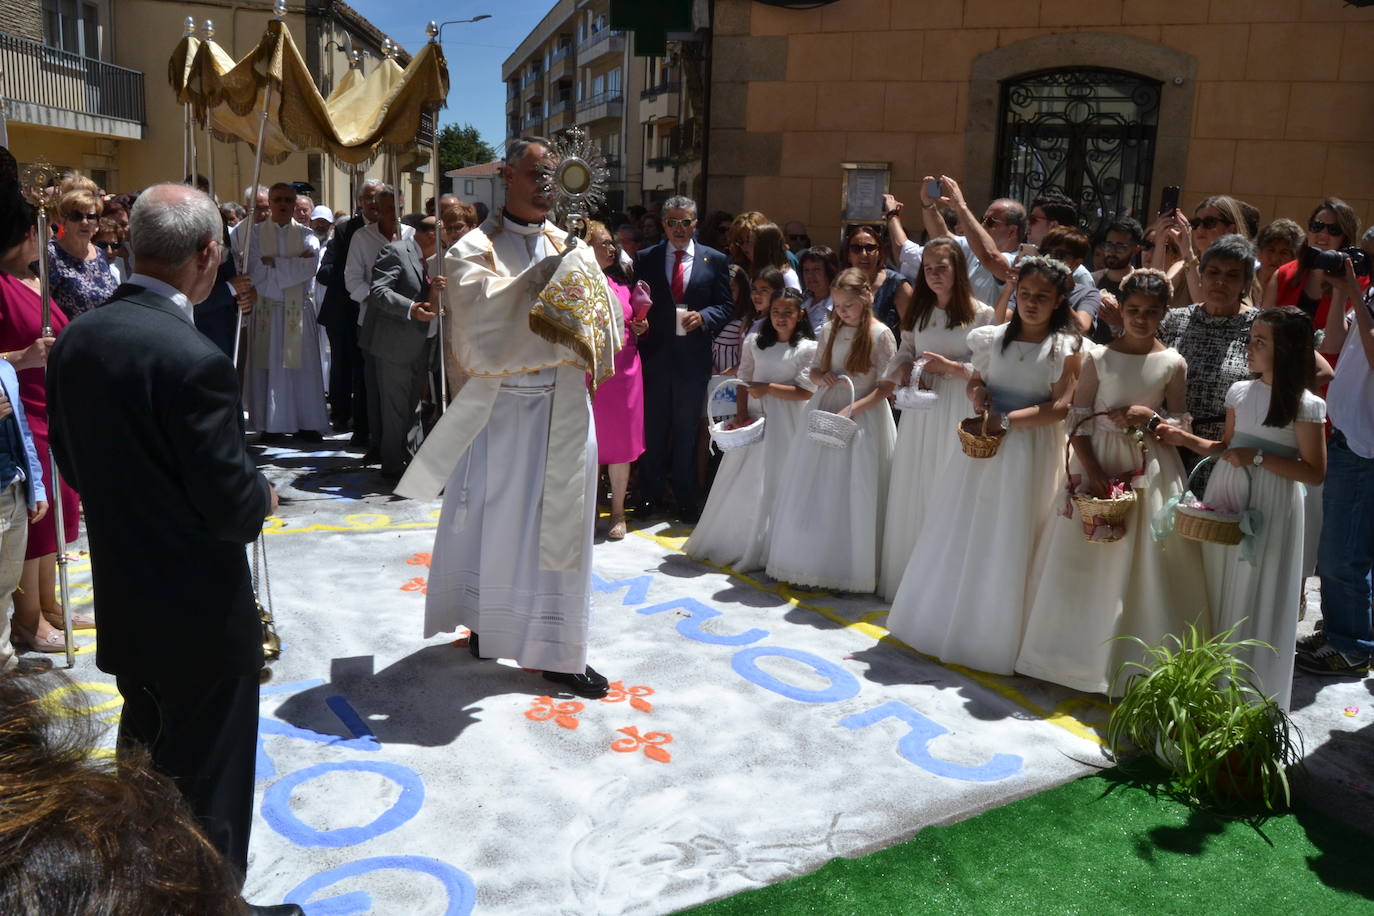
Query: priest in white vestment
(515, 453)
(283, 386)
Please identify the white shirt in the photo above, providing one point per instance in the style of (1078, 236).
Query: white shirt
(363, 249)
(154, 285)
(986, 287)
(1350, 396)
(670, 261)
(909, 260)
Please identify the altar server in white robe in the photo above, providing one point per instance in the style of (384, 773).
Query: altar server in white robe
(285, 392)
(512, 555)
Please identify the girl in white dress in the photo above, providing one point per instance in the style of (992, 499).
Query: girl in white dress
(776, 364)
(963, 595)
(1274, 443)
(827, 535)
(1085, 594)
(934, 329)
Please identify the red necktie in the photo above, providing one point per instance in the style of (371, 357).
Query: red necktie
(679, 277)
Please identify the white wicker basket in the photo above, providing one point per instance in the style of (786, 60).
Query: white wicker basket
(831, 429)
(913, 396)
(726, 439)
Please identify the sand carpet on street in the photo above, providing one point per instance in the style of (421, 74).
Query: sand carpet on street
(752, 734)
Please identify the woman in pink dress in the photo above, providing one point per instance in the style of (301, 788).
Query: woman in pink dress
(618, 406)
(37, 613)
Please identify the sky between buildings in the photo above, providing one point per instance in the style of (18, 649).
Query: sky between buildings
(474, 50)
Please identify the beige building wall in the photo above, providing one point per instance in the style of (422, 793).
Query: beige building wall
(1269, 100)
(141, 35)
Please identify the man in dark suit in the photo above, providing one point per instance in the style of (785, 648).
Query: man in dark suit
(692, 302)
(147, 425)
(397, 332)
(218, 316)
(339, 318)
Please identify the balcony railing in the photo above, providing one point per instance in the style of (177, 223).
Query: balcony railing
(533, 120)
(531, 78)
(603, 42)
(560, 106)
(42, 75)
(661, 89)
(601, 98)
(559, 53)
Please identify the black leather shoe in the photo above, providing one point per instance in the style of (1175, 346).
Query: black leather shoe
(280, 909)
(589, 684)
(309, 435)
(472, 646)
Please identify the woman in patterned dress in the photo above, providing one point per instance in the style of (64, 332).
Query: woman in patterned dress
(78, 272)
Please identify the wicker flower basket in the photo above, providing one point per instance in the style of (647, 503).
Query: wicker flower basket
(975, 439)
(831, 429)
(727, 439)
(913, 396)
(1103, 520)
(1205, 524)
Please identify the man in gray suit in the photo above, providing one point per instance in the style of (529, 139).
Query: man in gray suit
(399, 333)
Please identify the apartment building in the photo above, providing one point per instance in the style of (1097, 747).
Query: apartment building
(574, 69)
(84, 85)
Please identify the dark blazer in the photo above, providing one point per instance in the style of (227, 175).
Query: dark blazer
(389, 333)
(338, 306)
(147, 425)
(218, 316)
(708, 292)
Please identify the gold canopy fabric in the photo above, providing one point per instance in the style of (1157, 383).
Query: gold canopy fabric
(364, 115)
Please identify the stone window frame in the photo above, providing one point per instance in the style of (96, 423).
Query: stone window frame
(1175, 70)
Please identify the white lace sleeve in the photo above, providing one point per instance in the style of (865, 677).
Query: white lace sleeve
(745, 372)
(884, 348)
(1236, 393)
(1311, 409)
(980, 343)
(897, 366)
(806, 357)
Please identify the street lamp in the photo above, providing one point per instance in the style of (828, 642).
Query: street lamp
(460, 22)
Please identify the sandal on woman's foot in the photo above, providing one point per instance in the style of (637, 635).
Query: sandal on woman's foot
(79, 621)
(55, 641)
(617, 532)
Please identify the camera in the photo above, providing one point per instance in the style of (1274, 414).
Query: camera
(1333, 262)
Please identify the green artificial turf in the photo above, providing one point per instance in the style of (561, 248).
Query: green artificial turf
(1103, 844)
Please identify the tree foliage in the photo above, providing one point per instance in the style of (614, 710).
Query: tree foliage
(462, 146)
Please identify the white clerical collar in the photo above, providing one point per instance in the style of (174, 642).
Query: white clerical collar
(519, 228)
(166, 290)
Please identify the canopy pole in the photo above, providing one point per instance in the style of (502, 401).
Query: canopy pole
(432, 30)
(253, 190)
(209, 32)
(36, 179)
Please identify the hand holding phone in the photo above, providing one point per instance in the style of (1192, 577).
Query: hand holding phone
(1168, 201)
(934, 189)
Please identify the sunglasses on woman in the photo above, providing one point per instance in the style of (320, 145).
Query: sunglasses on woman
(863, 249)
(1329, 228)
(107, 246)
(86, 217)
(1209, 222)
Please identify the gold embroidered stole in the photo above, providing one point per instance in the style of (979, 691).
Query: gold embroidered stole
(292, 305)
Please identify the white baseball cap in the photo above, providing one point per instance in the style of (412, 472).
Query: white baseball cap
(322, 212)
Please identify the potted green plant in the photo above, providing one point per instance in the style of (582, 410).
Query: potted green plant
(1193, 706)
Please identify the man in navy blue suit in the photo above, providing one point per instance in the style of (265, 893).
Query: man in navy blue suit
(691, 303)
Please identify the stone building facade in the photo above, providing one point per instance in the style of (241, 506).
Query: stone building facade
(1268, 100)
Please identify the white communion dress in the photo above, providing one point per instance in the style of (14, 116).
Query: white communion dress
(963, 595)
(733, 529)
(828, 521)
(1085, 594)
(1261, 581)
(925, 438)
